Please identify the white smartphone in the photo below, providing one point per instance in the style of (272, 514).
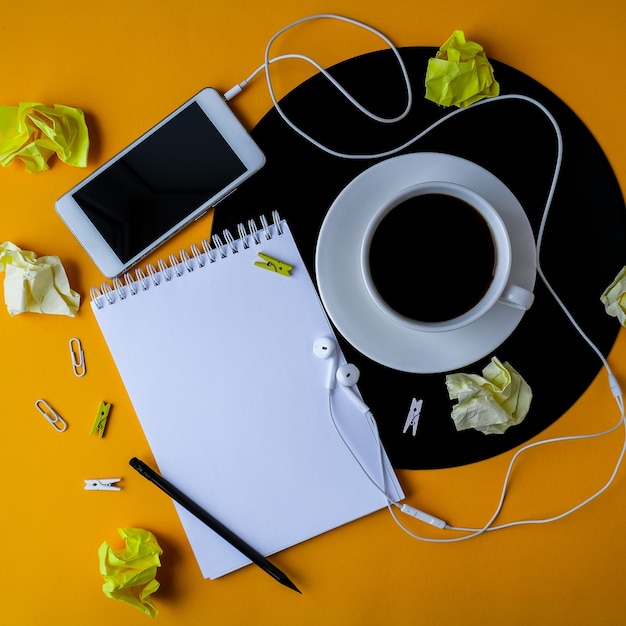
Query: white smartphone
(164, 180)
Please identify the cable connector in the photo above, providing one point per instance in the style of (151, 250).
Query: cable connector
(614, 386)
(235, 91)
(423, 517)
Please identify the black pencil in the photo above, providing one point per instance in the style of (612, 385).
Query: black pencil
(256, 557)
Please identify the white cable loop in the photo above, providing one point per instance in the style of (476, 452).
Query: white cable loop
(268, 61)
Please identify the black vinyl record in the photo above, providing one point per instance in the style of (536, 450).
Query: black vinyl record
(584, 244)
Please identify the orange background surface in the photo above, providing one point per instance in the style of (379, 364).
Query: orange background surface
(128, 63)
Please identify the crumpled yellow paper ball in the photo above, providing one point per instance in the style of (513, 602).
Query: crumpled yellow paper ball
(33, 132)
(614, 297)
(35, 285)
(130, 574)
(490, 403)
(460, 74)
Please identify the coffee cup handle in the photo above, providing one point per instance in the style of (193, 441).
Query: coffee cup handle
(517, 297)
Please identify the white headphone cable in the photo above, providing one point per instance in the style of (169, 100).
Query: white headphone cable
(613, 384)
(231, 93)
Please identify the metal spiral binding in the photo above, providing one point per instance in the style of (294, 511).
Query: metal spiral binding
(117, 285)
(186, 260)
(230, 240)
(174, 265)
(200, 257)
(243, 236)
(130, 284)
(206, 247)
(252, 227)
(218, 244)
(141, 279)
(153, 274)
(164, 269)
(197, 255)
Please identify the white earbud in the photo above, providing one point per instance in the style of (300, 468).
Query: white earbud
(348, 376)
(325, 348)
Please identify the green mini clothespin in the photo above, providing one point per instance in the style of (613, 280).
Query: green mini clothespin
(101, 419)
(274, 265)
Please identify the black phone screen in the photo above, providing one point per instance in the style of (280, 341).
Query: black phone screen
(159, 182)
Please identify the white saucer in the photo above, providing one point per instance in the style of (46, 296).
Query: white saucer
(347, 300)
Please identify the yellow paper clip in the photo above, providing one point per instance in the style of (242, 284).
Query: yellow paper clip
(274, 265)
(101, 420)
(58, 423)
(78, 357)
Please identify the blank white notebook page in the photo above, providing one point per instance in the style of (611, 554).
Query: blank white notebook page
(219, 366)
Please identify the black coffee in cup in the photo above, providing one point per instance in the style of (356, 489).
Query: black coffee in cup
(432, 257)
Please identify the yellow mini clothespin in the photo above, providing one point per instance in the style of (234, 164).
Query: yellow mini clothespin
(274, 265)
(101, 420)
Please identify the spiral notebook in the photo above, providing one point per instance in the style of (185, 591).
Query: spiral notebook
(215, 348)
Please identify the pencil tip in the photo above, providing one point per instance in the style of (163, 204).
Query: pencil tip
(289, 584)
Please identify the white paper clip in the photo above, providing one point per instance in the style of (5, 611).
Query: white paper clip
(102, 484)
(78, 357)
(58, 423)
(413, 418)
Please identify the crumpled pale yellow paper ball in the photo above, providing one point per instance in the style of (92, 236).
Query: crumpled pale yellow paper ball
(130, 574)
(490, 403)
(614, 297)
(33, 132)
(460, 73)
(35, 285)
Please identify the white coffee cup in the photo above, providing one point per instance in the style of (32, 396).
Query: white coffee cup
(498, 289)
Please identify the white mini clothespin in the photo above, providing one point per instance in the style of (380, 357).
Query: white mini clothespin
(413, 418)
(102, 484)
